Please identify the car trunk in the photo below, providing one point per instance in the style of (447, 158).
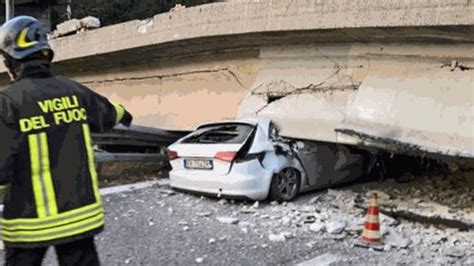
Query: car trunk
(211, 148)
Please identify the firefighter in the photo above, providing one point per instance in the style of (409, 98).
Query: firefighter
(46, 156)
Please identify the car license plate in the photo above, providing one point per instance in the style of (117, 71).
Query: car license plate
(198, 164)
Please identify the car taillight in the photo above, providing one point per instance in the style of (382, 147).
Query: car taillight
(172, 155)
(226, 155)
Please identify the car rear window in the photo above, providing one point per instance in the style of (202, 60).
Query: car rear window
(222, 133)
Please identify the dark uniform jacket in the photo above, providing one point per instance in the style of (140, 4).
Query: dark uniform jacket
(47, 158)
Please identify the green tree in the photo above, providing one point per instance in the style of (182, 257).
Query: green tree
(116, 11)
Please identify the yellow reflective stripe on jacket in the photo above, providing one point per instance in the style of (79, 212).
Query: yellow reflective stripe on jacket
(58, 220)
(48, 180)
(90, 157)
(55, 232)
(119, 111)
(45, 198)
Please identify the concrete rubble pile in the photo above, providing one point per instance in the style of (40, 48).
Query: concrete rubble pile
(327, 222)
(337, 214)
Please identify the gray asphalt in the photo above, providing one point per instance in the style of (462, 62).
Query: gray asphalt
(151, 227)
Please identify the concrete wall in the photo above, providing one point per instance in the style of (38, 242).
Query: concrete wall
(181, 94)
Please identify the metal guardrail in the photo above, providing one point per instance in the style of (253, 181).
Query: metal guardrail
(136, 137)
(129, 157)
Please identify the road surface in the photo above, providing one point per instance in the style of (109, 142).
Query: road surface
(154, 226)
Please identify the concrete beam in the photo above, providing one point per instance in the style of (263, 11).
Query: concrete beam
(266, 16)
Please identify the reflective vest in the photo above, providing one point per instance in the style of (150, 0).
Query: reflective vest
(46, 157)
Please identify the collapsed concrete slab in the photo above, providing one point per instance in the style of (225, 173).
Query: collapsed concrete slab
(430, 110)
(406, 99)
(305, 89)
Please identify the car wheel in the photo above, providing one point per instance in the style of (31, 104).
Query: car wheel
(285, 185)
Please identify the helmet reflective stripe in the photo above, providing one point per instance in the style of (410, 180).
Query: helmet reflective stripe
(22, 42)
(22, 37)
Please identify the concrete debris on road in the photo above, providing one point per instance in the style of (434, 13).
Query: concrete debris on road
(204, 214)
(455, 253)
(277, 237)
(168, 192)
(317, 227)
(310, 226)
(322, 260)
(246, 210)
(314, 200)
(336, 227)
(228, 220)
(396, 240)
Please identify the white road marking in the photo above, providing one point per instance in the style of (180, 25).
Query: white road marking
(125, 188)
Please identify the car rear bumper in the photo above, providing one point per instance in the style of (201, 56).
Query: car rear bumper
(254, 187)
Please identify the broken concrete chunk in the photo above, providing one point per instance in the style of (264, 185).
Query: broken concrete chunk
(166, 192)
(285, 220)
(277, 237)
(322, 216)
(316, 227)
(314, 200)
(90, 23)
(311, 244)
(454, 253)
(247, 210)
(386, 220)
(203, 214)
(67, 27)
(397, 240)
(308, 209)
(75, 25)
(228, 220)
(177, 8)
(246, 224)
(322, 260)
(336, 227)
(416, 239)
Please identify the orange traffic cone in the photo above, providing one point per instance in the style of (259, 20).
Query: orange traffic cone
(371, 233)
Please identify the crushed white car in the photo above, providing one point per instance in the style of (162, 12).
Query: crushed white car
(248, 159)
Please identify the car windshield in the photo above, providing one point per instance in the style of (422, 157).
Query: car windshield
(222, 133)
